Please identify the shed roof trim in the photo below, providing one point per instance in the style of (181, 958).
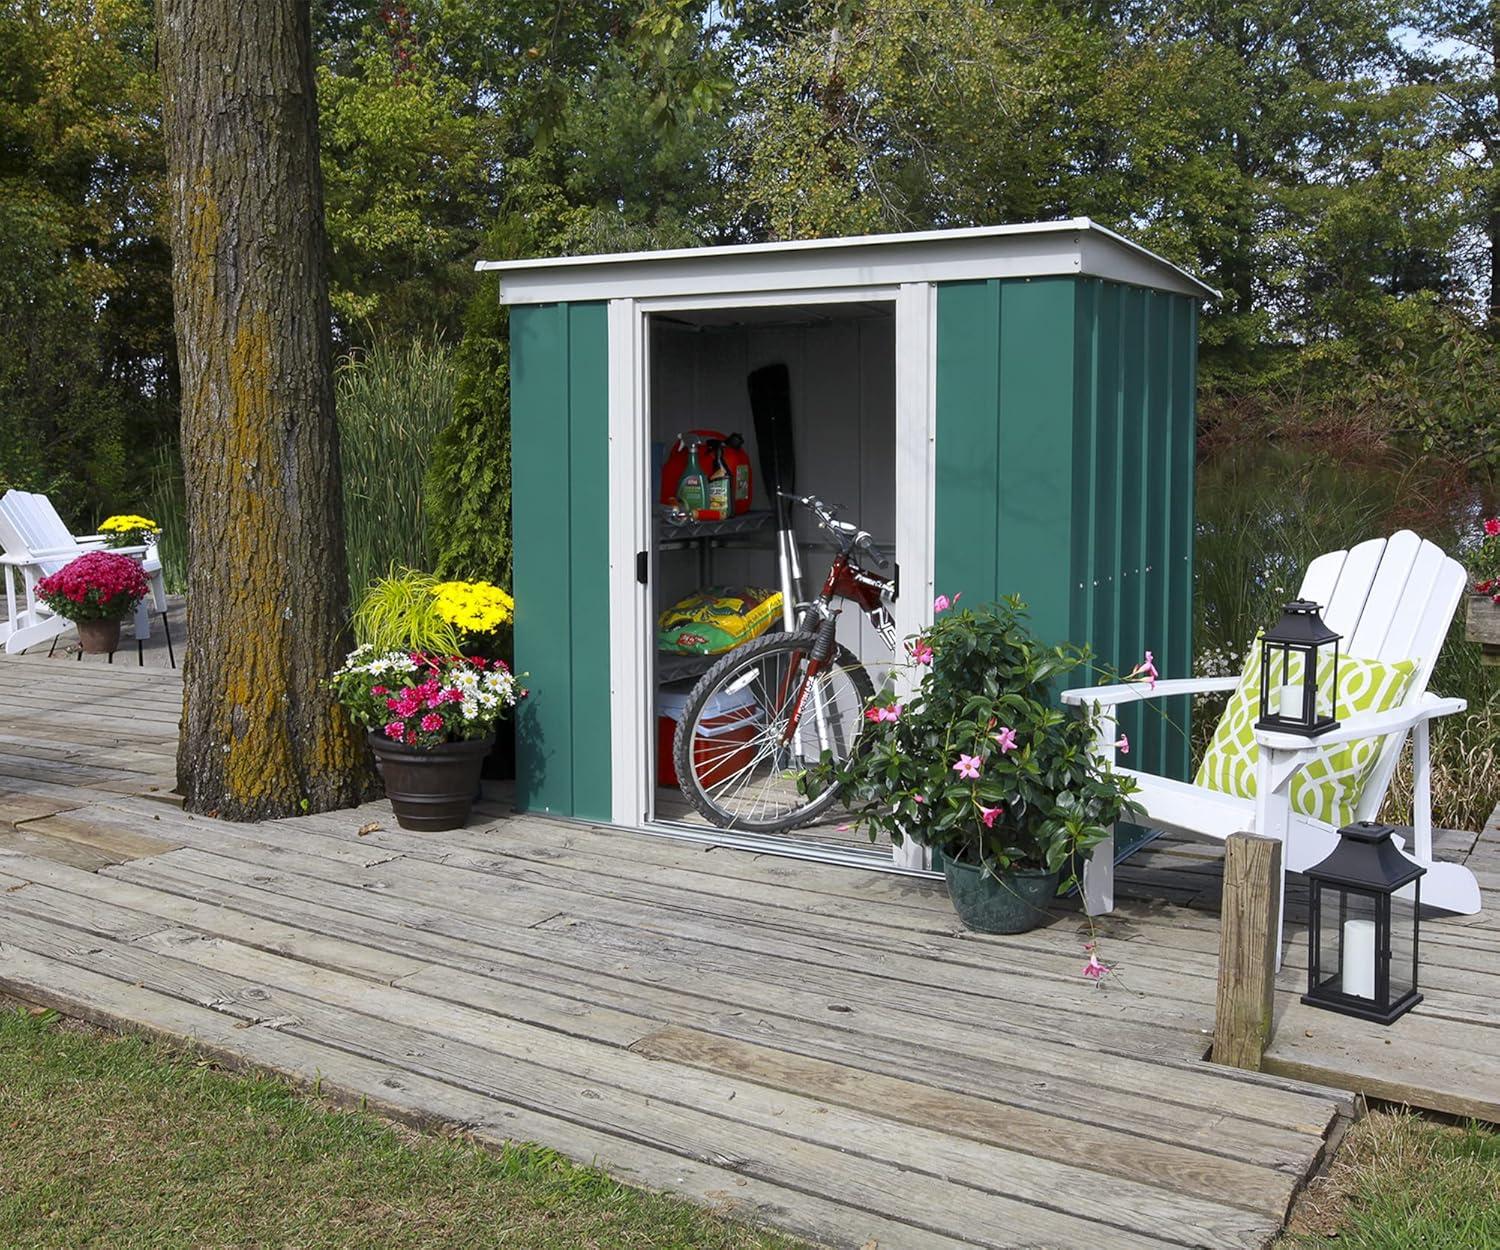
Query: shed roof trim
(1076, 246)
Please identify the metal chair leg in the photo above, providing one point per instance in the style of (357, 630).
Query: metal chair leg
(167, 630)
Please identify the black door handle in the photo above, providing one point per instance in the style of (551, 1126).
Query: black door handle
(641, 568)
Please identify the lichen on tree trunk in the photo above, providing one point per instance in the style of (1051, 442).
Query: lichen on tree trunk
(267, 595)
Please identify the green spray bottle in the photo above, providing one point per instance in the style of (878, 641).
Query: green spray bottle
(692, 486)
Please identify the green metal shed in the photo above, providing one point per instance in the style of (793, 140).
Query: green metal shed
(1013, 406)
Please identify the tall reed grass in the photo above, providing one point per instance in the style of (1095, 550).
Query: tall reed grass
(393, 401)
(1263, 514)
(166, 504)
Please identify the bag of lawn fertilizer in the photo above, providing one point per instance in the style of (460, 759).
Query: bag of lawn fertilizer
(717, 619)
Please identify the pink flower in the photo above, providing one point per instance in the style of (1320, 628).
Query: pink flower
(1005, 739)
(919, 798)
(1122, 745)
(1147, 669)
(942, 603)
(1483, 588)
(1094, 970)
(892, 713)
(377, 689)
(988, 814)
(968, 767)
(396, 731)
(431, 723)
(1492, 525)
(921, 652)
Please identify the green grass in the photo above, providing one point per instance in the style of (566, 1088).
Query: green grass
(118, 1141)
(1402, 1182)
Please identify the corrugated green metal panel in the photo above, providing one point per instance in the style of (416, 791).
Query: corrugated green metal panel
(1182, 521)
(1156, 477)
(559, 450)
(588, 421)
(968, 439)
(1005, 445)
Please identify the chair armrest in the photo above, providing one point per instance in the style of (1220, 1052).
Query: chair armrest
(1365, 725)
(97, 540)
(1134, 691)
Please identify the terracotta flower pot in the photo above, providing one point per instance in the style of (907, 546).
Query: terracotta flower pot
(430, 788)
(99, 637)
(1013, 903)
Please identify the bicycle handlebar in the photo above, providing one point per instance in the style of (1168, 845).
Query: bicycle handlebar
(850, 536)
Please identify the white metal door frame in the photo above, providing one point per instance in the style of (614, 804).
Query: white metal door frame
(632, 636)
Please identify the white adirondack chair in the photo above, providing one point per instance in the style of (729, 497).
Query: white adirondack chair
(36, 543)
(1390, 599)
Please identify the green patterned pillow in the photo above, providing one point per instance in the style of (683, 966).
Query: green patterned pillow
(1328, 788)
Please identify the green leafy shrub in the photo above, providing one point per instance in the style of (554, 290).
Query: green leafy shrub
(979, 762)
(468, 480)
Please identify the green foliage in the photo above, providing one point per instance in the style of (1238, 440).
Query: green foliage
(398, 613)
(166, 501)
(987, 676)
(468, 482)
(393, 402)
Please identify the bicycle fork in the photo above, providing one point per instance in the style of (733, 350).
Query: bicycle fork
(823, 650)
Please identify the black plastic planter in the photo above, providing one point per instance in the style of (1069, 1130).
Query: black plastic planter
(430, 788)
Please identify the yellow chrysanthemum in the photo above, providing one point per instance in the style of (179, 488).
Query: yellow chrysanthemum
(126, 524)
(478, 607)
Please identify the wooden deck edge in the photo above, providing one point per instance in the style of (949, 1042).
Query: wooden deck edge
(1415, 1096)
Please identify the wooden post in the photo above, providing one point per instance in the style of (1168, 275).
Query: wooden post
(1247, 949)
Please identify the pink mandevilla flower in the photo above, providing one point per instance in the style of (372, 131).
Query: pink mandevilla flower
(1005, 739)
(968, 767)
(988, 814)
(1122, 745)
(1147, 669)
(1094, 970)
(942, 603)
(921, 652)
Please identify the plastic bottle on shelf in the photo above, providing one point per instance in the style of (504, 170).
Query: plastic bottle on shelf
(720, 486)
(692, 486)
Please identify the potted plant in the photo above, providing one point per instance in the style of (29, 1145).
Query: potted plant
(980, 764)
(1482, 622)
(95, 591)
(430, 721)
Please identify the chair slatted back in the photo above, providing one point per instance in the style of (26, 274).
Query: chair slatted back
(1391, 599)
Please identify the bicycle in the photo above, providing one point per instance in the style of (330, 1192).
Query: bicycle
(802, 692)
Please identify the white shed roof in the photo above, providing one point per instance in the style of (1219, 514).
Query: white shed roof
(1076, 246)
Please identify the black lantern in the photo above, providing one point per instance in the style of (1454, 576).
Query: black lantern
(1296, 688)
(1362, 944)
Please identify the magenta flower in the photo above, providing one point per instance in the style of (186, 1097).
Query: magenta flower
(1122, 745)
(988, 814)
(942, 603)
(921, 652)
(1146, 669)
(431, 723)
(1094, 970)
(395, 731)
(1492, 526)
(968, 767)
(1005, 739)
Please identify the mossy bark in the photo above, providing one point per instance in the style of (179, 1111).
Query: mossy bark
(267, 595)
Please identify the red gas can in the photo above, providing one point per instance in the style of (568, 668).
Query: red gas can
(713, 444)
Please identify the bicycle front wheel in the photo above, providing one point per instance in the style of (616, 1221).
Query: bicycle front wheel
(756, 722)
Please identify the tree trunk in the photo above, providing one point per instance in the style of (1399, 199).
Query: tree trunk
(267, 590)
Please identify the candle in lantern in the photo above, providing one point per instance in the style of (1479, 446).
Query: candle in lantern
(1359, 958)
(1289, 700)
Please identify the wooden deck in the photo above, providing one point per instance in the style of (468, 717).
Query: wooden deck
(816, 1048)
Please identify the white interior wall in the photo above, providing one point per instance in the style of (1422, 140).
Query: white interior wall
(842, 370)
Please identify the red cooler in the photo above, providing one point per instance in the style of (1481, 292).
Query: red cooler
(726, 736)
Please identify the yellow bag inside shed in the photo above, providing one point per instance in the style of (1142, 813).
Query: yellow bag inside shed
(717, 619)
